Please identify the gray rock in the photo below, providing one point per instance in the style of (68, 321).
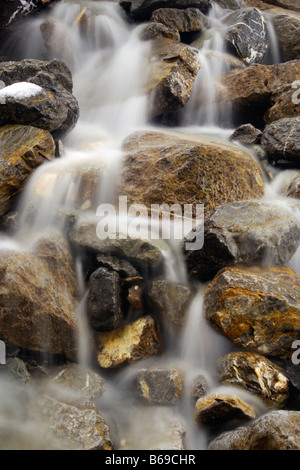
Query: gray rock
(160, 386)
(281, 140)
(246, 135)
(200, 387)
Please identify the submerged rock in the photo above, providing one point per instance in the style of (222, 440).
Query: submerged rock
(160, 386)
(278, 430)
(142, 10)
(256, 374)
(131, 343)
(218, 408)
(256, 308)
(247, 35)
(164, 169)
(246, 232)
(281, 140)
(23, 148)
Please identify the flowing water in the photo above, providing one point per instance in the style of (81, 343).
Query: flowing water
(105, 55)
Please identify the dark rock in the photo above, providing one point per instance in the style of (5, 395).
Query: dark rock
(246, 135)
(246, 232)
(160, 386)
(281, 140)
(256, 308)
(142, 10)
(123, 267)
(278, 430)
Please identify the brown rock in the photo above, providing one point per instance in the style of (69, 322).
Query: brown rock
(289, 4)
(158, 31)
(288, 34)
(185, 21)
(294, 188)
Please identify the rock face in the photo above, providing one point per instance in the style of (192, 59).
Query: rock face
(288, 33)
(170, 300)
(257, 309)
(39, 298)
(170, 74)
(23, 148)
(189, 20)
(104, 301)
(131, 343)
(218, 408)
(142, 10)
(256, 374)
(247, 232)
(160, 386)
(162, 168)
(278, 430)
(247, 35)
(281, 140)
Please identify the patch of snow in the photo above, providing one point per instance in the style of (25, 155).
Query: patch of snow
(19, 91)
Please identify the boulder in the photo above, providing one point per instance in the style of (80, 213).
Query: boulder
(141, 10)
(256, 308)
(165, 169)
(246, 135)
(158, 31)
(289, 4)
(38, 298)
(281, 140)
(277, 430)
(189, 20)
(294, 188)
(131, 343)
(218, 408)
(160, 386)
(254, 373)
(285, 103)
(23, 148)
(246, 35)
(229, 4)
(288, 34)
(246, 232)
(200, 387)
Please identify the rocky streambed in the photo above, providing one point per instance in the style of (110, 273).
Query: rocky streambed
(126, 342)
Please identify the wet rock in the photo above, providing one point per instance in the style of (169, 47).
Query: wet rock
(170, 300)
(23, 148)
(15, 370)
(104, 301)
(123, 267)
(133, 342)
(142, 254)
(294, 188)
(247, 35)
(161, 168)
(142, 10)
(218, 408)
(246, 232)
(288, 34)
(38, 298)
(281, 140)
(9, 222)
(80, 379)
(169, 76)
(200, 387)
(77, 422)
(246, 135)
(278, 430)
(158, 31)
(255, 374)
(229, 4)
(189, 20)
(256, 308)
(160, 386)
(289, 4)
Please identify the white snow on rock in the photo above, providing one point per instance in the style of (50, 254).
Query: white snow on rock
(19, 91)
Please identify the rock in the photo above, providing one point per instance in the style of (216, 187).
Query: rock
(158, 31)
(38, 298)
(218, 408)
(170, 300)
(200, 387)
(255, 374)
(277, 430)
(160, 386)
(56, 112)
(104, 301)
(131, 343)
(135, 298)
(43, 73)
(77, 422)
(142, 254)
(9, 222)
(281, 140)
(288, 34)
(289, 4)
(294, 188)
(142, 10)
(158, 166)
(284, 104)
(170, 72)
(247, 35)
(256, 308)
(229, 4)
(246, 232)
(15, 370)
(23, 148)
(79, 379)
(246, 135)
(189, 20)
